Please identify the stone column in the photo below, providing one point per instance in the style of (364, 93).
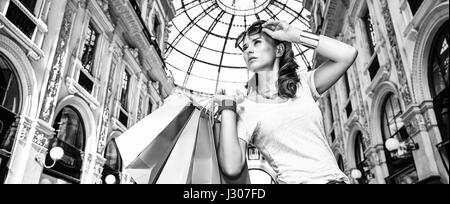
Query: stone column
(36, 156)
(92, 168)
(378, 164)
(434, 134)
(424, 156)
(24, 127)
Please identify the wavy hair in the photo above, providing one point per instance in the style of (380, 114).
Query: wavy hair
(287, 75)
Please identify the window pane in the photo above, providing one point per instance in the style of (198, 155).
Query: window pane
(124, 90)
(9, 87)
(71, 130)
(439, 79)
(359, 148)
(29, 4)
(112, 156)
(341, 163)
(20, 20)
(414, 5)
(370, 31)
(157, 28)
(90, 41)
(71, 138)
(149, 109)
(86, 82)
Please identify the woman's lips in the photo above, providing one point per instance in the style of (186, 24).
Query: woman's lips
(252, 59)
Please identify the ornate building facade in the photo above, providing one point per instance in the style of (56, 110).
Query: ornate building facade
(76, 74)
(387, 118)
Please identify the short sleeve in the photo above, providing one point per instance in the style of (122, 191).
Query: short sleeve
(308, 78)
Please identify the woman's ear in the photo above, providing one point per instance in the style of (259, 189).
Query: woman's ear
(280, 50)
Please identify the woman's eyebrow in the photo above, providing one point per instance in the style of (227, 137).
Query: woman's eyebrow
(257, 38)
(253, 40)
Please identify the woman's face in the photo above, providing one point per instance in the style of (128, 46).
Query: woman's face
(259, 52)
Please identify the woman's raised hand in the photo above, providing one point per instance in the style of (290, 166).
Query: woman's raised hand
(282, 31)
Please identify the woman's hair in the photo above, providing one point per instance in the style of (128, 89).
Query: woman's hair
(287, 75)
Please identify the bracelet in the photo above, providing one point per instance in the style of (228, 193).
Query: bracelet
(308, 39)
(227, 105)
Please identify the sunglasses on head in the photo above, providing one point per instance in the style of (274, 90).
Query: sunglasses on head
(254, 29)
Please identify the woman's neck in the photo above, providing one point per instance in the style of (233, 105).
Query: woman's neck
(267, 82)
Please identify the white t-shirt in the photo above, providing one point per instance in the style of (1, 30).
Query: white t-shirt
(291, 136)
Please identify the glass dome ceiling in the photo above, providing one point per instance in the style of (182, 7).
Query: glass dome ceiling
(201, 55)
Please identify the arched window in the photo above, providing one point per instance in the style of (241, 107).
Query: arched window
(70, 136)
(439, 83)
(400, 164)
(113, 164)
(9, 86)
(9, 108)
(360, 158)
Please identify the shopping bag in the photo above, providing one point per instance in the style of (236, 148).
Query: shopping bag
(146, 146)
(193, 160)
(205, 166)
(173, 145)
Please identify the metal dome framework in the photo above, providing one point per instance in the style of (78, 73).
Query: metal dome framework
(201, 55)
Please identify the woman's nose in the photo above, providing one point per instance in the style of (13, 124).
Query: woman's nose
(249, 51)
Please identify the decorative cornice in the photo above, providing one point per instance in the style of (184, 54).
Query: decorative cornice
(100, 10)
(24, 128)
(43, 134)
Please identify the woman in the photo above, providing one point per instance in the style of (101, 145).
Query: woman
(279, 114)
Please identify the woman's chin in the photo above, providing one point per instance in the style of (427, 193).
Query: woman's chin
(254, 68)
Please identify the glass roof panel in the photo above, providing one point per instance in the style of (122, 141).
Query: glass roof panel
(201, 48)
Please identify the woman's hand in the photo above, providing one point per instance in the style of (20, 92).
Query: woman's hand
(220, 96)
(282, 31)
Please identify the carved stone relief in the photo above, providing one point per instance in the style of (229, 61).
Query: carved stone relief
(54, 81)
(395, 51)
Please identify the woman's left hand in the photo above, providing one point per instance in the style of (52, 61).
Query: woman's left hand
(282, 31)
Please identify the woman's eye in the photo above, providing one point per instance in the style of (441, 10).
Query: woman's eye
(257, 42)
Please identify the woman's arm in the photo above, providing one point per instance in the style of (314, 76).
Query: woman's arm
(341, 56)
(231, 151)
